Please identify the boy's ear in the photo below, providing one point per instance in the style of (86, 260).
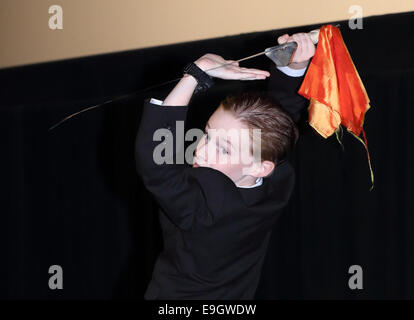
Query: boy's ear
(264, 169)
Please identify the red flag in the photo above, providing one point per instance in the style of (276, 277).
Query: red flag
(335, 90)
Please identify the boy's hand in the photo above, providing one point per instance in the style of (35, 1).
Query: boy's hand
(229, 72)
(304, 51)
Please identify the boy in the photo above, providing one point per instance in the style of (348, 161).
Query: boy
(217, 217)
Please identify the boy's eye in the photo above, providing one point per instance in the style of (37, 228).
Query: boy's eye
(224, 150)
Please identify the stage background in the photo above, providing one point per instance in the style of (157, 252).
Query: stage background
(71, 196)
(108, 26)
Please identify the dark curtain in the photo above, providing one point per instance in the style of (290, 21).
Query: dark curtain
(71, 196)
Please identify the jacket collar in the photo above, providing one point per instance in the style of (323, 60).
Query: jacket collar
(277, 187)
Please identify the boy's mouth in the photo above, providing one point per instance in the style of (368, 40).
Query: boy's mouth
(195, 165)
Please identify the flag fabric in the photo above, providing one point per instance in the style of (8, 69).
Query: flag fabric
(335, 90)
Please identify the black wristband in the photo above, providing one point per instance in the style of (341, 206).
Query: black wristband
(204, 81)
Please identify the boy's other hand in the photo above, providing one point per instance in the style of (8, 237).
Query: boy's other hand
(304, 51)
(229, 72)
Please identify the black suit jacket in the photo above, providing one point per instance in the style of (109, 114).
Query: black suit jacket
(215, 234)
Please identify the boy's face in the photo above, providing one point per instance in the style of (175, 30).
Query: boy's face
(225, 146)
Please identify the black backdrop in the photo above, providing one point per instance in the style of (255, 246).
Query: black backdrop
(71, 197)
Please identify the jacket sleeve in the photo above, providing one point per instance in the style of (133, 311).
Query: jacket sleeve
(283, 88)
(189, 196)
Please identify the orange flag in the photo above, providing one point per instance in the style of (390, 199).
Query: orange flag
(335, 90)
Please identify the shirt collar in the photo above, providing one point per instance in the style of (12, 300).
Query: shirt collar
(259, 181)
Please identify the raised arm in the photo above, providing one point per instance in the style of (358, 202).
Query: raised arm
(285, 82)
(189, 196)
(183, 91)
